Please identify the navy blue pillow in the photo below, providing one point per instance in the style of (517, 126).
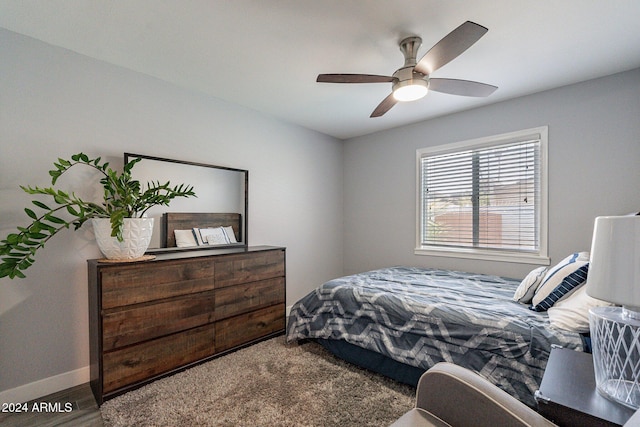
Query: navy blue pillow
(568, 284)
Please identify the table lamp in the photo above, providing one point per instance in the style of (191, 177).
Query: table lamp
(614, 276)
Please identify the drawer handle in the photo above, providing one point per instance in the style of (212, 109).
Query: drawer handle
(131, 363)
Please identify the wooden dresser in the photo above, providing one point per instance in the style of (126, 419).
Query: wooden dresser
(149, 319)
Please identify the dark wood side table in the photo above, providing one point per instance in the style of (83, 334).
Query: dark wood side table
(568, 394)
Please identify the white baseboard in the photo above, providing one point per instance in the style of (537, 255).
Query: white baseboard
(289, 310)
(45, 386)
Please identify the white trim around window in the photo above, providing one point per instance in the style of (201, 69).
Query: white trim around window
(426, 244)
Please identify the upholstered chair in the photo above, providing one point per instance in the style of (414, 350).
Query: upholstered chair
(452, 396)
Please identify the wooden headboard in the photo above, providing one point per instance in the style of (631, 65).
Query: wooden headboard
(186, 221)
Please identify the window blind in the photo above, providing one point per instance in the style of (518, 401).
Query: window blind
(486, 198)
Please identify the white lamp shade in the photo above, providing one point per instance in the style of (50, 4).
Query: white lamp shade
(614, 267)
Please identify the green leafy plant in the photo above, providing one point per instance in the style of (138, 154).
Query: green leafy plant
(124, 197)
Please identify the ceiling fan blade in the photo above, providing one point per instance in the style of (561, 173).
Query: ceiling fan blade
(353, 78)
(461, 87)
(452, 45)
(384, 106)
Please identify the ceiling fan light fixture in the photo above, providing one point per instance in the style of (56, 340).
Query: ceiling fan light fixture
(410, 90)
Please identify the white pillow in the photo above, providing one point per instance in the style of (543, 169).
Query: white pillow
(231, 236)
(214, 236)
(561, 280)
(185, 238)
(572, 313)
(529, 284)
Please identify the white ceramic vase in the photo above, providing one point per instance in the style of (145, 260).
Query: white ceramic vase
(136, 233)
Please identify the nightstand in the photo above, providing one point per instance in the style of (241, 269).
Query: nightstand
(568, 394)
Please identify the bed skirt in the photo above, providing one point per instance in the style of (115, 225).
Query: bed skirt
(373, 361)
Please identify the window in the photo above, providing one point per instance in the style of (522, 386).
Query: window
(485, 198)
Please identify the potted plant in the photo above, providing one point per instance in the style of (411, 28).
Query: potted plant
(124, 202)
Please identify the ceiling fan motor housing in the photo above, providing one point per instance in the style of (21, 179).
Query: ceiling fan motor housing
(407, 76)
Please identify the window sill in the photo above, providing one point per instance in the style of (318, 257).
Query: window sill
(484, 255)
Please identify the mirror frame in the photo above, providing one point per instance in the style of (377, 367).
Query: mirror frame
(245, 215)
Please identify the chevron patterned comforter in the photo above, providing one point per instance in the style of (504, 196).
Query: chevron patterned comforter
(421, 316)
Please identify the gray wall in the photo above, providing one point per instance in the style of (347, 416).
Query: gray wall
(54, 103)
(594, 158)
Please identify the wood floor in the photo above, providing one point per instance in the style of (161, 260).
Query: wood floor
(74, 407)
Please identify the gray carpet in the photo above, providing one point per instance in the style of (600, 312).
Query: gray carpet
(268, 384)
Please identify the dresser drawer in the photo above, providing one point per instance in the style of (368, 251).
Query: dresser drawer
(131, 284)
(238, 330)
(141, 322)
(143, 361)
(238, 299)
(244, 268)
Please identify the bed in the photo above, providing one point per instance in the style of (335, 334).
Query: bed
(400, 321)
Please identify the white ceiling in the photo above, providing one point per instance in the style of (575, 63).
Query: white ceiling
(266, 54)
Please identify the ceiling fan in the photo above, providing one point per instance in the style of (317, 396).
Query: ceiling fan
(412, 80)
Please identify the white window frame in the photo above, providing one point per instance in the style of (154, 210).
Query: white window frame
(541, 257)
